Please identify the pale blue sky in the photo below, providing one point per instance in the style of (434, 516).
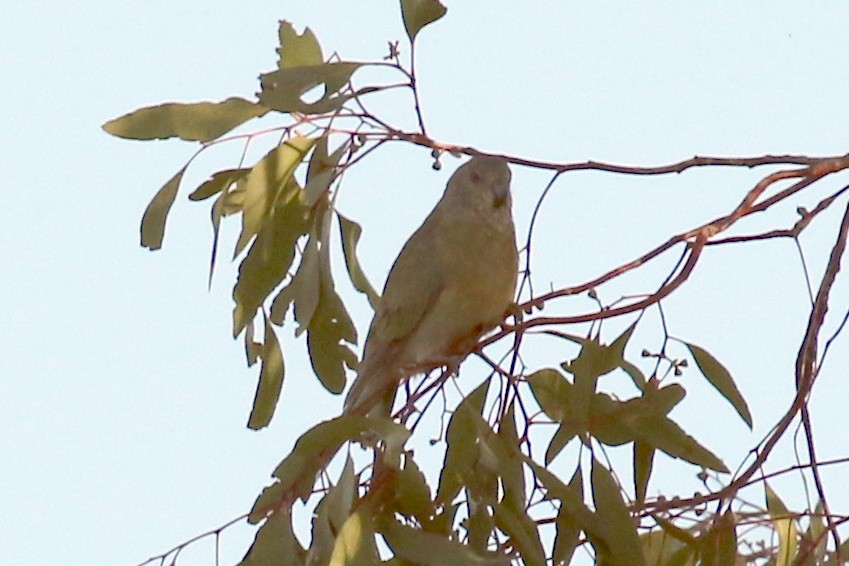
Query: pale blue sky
(123, 399)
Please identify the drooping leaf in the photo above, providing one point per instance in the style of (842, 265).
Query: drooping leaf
(270, 380)
(463, 449)
(275, 543)
(282, 89)
(784, 525)
(263, 183)
(322, 170)
(412, 494)
(350, 232)
(298, 50)
(621, 531)
(219, 181)
(303, 290)
(523, 533)
(199, 121)
(429, 549)
(568, 528)
(664, 434)
(718, 547)
(355, 544)
(659, 547)
(330, 326)
(572, 503)
(816, 536)
(297, 472)
(563, 436)
(511, 468)
(721, 379)
(419, 13)
(331, 513)
(270, 256)
(156, 213)
(643, 457)
(553, 393)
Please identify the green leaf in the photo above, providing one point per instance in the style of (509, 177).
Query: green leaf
(298, 50)
(350, 232)
(563, 436)
(330, 516)
(296, 473)
(659, 547)
(568, 529)
(664, 434)
(275, 543)
(643, 462)
(303, 290)
(322, 170)
(270, 256)
(511, 470)
(621, 532)
(270, 380)
(430, 549)
(784, 525)
(355, 544)
(463, 449)
(199, 121)
(523, 533)
(330, 326)
(718, 547)
(412, 494)
(220, 181)
(282, 89)
(156, 213)
(263, 183)
(419, 13)
(721, 379)
(553, 393)
(816, 537)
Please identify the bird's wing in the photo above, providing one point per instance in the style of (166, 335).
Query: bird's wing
(412, 288)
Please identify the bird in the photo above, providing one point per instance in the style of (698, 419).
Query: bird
(453, 281)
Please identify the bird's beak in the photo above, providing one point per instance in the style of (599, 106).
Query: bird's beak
(501, 194)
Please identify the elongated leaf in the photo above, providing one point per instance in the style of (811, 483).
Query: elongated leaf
(643, 463)
(553, 393)
(419, 13)
(355, 544)
(621, 532)
(664, 434)
(298, 50)
(412, 494)
(156, 213)
(429, 549)
(219, 181)
(718, 547)
(275, 543)
(282, 89)
(721, 379)
(270, 256)
(263, 183)
(296, 473)
(523, 534)
(784, 525)
(199, 121)
(511, 470)
(330, 516)
(350, 232)
(463, 448)
(568, 529)
(270, 380)
(322, 170)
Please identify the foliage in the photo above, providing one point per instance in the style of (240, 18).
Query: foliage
(498, 499)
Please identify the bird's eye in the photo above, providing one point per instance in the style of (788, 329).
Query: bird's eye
(476, 178)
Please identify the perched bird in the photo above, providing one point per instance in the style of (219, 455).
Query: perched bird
(452, 282)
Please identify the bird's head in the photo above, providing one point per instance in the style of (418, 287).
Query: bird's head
(481, 183)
